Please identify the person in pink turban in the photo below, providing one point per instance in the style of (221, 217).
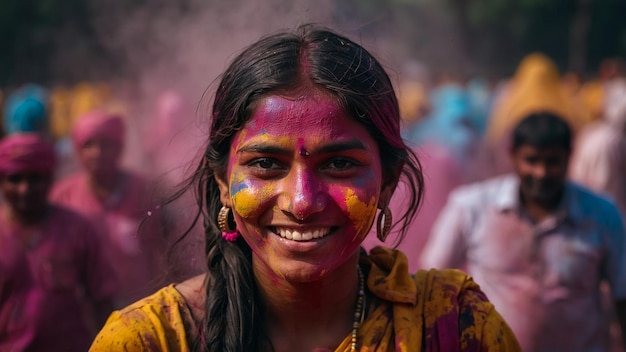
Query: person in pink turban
(55, 287)
(117, 201)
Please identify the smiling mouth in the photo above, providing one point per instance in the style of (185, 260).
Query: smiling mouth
(301, 235)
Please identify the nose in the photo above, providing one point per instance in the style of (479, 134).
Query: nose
(302, 195)
(540, 170)
(23, 186)
(96, 149)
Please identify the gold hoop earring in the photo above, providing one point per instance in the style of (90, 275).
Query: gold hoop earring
(222, 220)
(383, 224)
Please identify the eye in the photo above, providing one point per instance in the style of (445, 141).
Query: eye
(532, 159)
(15, 178)
(265, 167)
(340, 165)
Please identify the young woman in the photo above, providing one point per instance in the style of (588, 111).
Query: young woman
(304, 149)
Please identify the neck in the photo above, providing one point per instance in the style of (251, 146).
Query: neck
(105, 185)
(305, 316)
(540, 209)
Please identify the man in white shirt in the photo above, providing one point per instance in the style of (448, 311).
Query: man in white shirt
(539, 246)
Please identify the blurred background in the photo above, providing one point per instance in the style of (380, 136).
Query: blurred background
(186, 42)
(465, 72)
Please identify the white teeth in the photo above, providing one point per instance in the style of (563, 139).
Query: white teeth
(307, 235)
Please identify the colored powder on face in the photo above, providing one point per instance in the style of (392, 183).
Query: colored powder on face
(361, 213)
(247, 200)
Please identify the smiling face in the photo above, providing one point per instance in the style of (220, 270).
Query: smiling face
(304, 181)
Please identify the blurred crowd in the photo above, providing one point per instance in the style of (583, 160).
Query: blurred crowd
(460, 129)
(85, 184)
(86, 225)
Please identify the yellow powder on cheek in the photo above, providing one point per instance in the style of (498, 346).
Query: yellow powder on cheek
(361, 213)
(248, 200)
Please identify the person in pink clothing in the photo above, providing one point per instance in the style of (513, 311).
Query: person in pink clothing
(116, 201)
(55, 288)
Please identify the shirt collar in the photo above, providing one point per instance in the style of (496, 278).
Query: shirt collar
(508, 199)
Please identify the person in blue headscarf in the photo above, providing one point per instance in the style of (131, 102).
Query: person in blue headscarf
(448, 123)
(26, 110)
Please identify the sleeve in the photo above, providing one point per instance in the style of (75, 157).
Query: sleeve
(481, 327)
(446, 246)
(615, 263)
(156, 323)
(131, 331)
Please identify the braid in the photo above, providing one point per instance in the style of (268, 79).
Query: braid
(230, 303)
(232, 308)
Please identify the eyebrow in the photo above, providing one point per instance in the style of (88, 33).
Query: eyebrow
(330, 148)
(338, 147)
(264, 149)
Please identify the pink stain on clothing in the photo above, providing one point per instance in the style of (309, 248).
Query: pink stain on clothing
(46, 285)
(26, 152)
(136, 254)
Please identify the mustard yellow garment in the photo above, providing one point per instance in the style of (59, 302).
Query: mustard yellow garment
(592, 97)
(412, 99)
(536, 86)
(60, 116)
(433, 311)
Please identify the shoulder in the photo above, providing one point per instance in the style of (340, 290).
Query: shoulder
(436, 283)
(66, 184)
(135, 178)
(70, 179)
(70, 224)
(591, 204)
(155, 323)
(71, 221)
(484, 192)
(453, 302)
(62, 213)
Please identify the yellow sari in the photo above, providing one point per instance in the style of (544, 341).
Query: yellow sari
(436, 310)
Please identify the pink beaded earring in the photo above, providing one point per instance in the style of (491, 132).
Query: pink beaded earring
(228, 233)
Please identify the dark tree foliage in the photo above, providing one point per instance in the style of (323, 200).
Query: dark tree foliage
(63, 41)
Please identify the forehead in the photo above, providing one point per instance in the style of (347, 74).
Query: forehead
(311, 115)
(542, 151)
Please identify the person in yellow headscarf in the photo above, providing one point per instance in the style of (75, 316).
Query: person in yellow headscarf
(60, 117)
(536, 86)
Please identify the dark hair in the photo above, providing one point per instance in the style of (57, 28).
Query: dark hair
(277, 63)
(542, 129)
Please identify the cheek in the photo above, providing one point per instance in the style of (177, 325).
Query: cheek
(249, 196)
(360, 204)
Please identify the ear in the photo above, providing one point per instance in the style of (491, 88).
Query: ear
(222, 184)
(390, 181)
